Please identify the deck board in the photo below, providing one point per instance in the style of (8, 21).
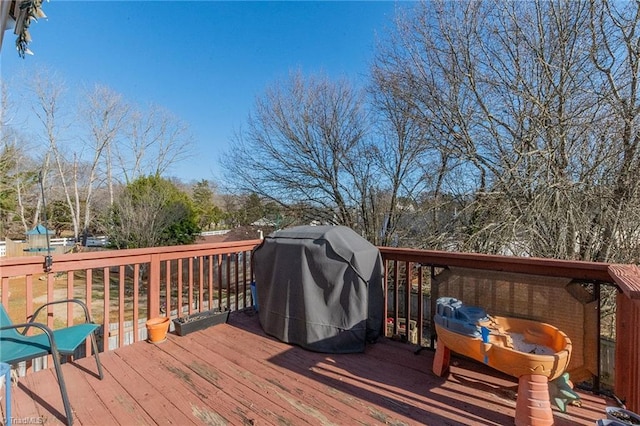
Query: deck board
(219, 374)
(86, 406)
(287, 386)
(110, 393)
(45, 393)
(131, 371)
(199, 384)
(260, 394)
(234, 374)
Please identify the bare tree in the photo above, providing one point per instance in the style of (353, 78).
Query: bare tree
(49, 90)
(615, 52)
(7, 164)
(81, 158)
(105, 113)
(18, 192)
(75, 179)
(17, 186)
(504, 93)
(78, 169)
(304, 144)
(402, 153)
(154, 141)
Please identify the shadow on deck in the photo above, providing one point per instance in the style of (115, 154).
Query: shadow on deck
(235, 374)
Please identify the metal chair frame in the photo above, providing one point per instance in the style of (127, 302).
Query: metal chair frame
(18, 347)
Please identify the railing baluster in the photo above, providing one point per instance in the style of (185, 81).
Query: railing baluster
(434, 296)
(420, 320)
(244, 278)
(200, 283)
(179, 273)
(219, 281)
(385, 296)
(106, 316)
(407, 299)
(396, 296)
(70, 295)
(121, 319)
(167, 288)
(237, 280)
(228, 281)
(88, 288)
(190, 281)
(29, 297)
(136, 301)
(50, 298)
(153, 287)
(4, 292)
(210, 280)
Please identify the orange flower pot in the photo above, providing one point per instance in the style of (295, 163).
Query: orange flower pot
(157, 329)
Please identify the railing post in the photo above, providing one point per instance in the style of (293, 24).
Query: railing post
(433, 292)
(627, 367)
(153, 287)
(596, 379)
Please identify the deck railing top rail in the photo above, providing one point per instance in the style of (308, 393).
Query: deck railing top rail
(627, 277)
(13, 266)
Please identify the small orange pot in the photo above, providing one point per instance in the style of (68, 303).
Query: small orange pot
(157, 329)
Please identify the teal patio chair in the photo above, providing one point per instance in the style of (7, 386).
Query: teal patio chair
(15, 346)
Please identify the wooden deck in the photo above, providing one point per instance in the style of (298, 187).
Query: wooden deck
(234, 374)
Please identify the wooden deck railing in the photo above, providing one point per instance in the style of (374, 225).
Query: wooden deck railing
(421, 268)
(123, 288)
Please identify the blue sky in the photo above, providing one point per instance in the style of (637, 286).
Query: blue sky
(205, 61)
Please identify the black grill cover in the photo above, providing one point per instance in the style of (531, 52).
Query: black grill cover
(320, 287)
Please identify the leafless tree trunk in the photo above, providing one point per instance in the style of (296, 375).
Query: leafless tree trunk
(155, 140)
(403, 153)
(48, 109)
(105, 112)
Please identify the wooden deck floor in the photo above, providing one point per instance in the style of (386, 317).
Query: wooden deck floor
(234, 374)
